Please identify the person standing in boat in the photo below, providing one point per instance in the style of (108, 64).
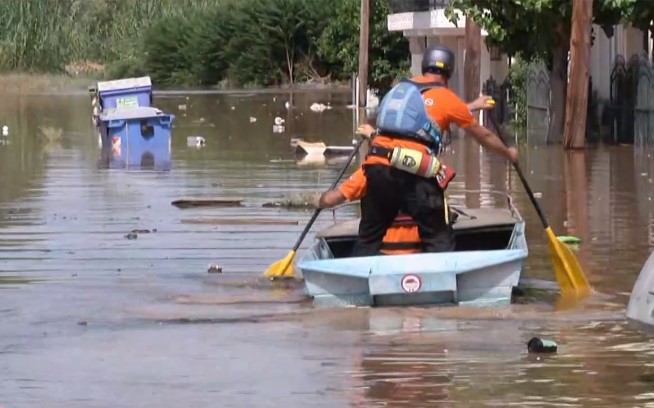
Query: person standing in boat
(402, 237)
(402, 162)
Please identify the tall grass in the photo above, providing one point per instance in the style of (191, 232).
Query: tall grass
(200, 42)
(45, 35)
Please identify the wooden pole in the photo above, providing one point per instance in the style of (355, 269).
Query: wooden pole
(576, 106)
(471, 65)
(471, 88)
(363, 52)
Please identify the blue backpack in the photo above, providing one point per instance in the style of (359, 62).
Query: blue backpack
(402, 114)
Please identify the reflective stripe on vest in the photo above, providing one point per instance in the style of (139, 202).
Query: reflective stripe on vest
(402, 221)
(400, 245)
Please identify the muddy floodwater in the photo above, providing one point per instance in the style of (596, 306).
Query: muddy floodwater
(91, 316)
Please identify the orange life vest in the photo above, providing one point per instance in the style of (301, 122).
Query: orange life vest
(402, 237)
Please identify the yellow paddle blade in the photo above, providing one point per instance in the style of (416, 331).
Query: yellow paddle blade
(567, 269)
(282, 268)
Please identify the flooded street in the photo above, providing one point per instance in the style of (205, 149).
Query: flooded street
(90, 318)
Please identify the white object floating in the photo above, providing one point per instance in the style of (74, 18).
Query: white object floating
(320, 148)
(318, 107)
(5, 130)
(195, 141)
(295, 140)
(287, 105)
(252, 119)
(372, 100)
(278, 129)
(279, 121)
(182, 107)
(538, 195)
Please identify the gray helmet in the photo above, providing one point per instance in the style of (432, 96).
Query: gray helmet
(438, 59)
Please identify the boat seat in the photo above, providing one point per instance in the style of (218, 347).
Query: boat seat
(477, 218)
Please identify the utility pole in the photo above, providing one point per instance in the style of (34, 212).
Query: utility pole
(576, 106)
(363, 52)
(471, 65)
(471, 88)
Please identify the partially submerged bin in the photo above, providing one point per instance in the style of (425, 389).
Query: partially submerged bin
(137, 137)
(125, 93)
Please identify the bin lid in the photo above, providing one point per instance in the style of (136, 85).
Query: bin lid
(137, 112)
(125, 83)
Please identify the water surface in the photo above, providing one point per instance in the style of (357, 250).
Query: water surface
(90, 318)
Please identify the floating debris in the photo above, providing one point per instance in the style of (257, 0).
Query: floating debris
(536, 345)
(239, 221)
(319, 107)
(131, 236)
(213, 268)
(51, 134)
(195, 141)
(252, 119)
(302, 147)
(207, 202)
(279, 121)
(295, 140)
(300, 200)
(141, 231)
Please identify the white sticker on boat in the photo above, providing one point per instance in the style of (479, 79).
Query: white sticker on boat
(411, 283)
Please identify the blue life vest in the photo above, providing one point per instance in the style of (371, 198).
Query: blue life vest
(402, 114)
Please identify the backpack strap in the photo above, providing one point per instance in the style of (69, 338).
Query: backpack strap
(423, 86)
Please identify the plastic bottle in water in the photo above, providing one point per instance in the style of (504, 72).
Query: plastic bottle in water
(536, 345)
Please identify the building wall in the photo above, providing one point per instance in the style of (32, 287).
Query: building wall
(428, 28)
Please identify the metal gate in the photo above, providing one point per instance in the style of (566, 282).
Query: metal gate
(538, 103)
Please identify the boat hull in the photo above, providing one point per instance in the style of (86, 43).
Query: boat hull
(477, 277)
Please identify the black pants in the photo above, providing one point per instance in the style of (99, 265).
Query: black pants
(389, 190)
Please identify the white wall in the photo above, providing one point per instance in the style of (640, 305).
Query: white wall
(602, 55)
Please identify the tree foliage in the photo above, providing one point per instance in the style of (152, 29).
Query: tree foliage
(202, 42)
(339, 44)
(536, 27)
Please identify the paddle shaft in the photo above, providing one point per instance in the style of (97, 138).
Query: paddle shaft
(334, 184)
(516, 166)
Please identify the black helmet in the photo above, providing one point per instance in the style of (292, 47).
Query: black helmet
(438, 59)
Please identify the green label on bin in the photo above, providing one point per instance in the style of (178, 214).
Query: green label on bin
(127, 101)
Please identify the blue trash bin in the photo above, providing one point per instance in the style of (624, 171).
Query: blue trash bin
(136, 138)
(125, 93)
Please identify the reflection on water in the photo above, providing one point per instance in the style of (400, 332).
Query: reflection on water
(92, 318)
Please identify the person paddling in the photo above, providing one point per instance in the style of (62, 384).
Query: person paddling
(402, 162)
